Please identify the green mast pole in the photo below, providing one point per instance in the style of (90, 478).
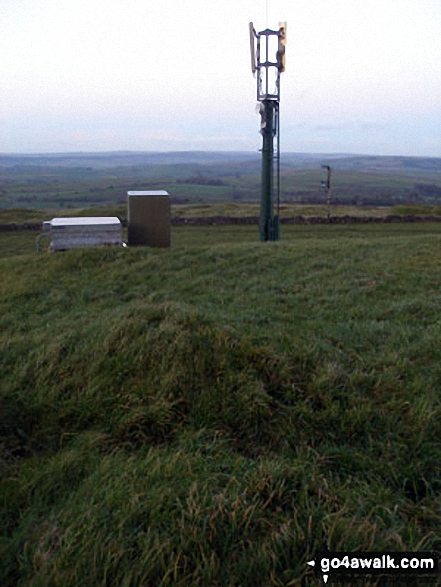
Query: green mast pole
(266, 220)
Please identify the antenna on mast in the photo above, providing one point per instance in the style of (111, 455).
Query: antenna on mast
(252, 49)
(269, 61)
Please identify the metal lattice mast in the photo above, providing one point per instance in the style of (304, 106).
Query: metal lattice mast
(268, 96)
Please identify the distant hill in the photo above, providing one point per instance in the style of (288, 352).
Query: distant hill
(128, 158)
(79, 179)
(123, 158)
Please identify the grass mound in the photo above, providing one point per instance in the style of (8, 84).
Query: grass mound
(144, 373)
(149, 397)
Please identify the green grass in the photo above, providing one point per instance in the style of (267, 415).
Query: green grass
(216, 413)
(419, 210)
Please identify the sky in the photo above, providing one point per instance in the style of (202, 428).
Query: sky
(159, 75)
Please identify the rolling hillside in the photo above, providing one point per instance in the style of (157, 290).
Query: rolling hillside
(89, 179)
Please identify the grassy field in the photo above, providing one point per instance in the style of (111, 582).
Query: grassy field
(217, 413)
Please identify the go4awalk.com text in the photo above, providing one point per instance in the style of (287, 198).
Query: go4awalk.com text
(346, 565)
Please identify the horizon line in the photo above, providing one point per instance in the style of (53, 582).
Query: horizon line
(199, 151)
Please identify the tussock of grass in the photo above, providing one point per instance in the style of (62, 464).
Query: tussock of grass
(147, 370)
(216, 415)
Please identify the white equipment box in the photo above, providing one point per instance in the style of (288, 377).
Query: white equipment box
(75, 233)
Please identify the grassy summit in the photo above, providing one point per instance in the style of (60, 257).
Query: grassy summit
(216, 413)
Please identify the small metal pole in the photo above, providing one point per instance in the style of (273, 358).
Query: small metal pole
(327, 185)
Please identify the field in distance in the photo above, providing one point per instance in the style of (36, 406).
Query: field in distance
(84, 180)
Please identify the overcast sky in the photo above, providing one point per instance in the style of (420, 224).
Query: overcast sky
(362, 76)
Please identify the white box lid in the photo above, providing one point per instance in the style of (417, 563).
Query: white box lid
(102, 221)
(149, 193)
